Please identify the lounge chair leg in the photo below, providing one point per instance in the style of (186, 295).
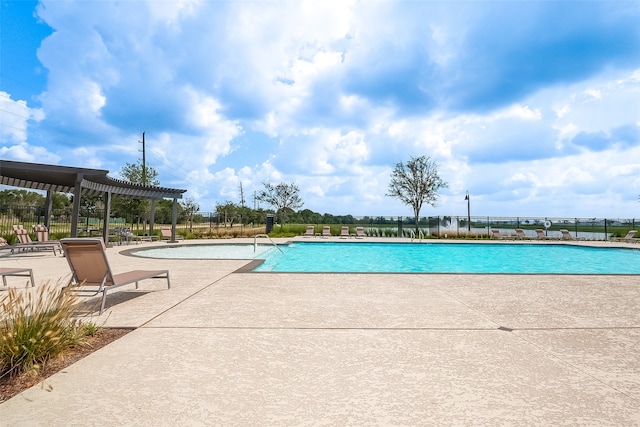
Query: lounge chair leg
(104, 300)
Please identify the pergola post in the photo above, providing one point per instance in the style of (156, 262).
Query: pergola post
(174, 220)
(77, 194)
(48, 207)
(152, 217)
(107, 214)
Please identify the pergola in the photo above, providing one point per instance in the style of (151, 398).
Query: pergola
(84, 181)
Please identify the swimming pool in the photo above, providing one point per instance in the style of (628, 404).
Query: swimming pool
(344, 257)
(204, 251)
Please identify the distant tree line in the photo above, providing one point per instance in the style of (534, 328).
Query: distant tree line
(415, 183)
(229, 213)
(225, 214)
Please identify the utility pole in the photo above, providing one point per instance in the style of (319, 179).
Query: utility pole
(241, 195)
(144, 163)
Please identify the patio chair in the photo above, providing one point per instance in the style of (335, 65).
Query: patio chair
(90, 268)
(344, 233)
(520, 234)
(326, 231)
(5, 246)
(27, 243)
(629, 238)
(540, 235)
(566, 235)
(360, 234)
(21, 234)
(42, 233)
(125, 235)
(310, 232)
(166, 234)
(495, 234)
(21, 272)
(42, 236)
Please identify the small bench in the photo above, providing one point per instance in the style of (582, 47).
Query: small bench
(19, 272)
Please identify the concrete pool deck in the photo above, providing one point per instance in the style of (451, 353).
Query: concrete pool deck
(228, 348)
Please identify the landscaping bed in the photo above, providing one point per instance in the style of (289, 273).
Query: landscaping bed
(11, 386)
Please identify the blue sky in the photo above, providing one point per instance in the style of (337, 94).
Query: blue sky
(531, 106)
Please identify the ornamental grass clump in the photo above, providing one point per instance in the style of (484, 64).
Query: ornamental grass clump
(36, 326)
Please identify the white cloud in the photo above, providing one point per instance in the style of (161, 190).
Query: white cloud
(16, 115)
(28, 153)
(171, 13)
(331, 95)
(611, 101)
(14, 125)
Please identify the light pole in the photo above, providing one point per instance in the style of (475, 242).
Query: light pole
(468, 199)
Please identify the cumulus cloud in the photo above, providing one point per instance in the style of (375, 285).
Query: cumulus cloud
(519, 103)
(16, 119)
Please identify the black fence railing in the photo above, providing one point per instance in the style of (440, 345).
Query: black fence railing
(384, 226)
(482, 226)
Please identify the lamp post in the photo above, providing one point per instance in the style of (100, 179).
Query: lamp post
(468, 199)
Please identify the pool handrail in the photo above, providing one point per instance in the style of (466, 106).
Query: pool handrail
(420, 234)
(255, 242)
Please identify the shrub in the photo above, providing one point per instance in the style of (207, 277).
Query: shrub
(35, 327)
(91, 329)
(288, 230)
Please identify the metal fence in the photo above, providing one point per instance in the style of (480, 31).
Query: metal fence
(482, 226)
(583, 228)
(90, 221)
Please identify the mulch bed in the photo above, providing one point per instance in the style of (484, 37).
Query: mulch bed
(10, 387)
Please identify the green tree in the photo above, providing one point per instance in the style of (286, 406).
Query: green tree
(248, 215)
(189, 209)
(129, 208)
(227, 212)
(139, 174)
(15, 197)
(327, 218)
(307, 216)
(283, 197)
(60, 201)
(416, 183)
(164, 211)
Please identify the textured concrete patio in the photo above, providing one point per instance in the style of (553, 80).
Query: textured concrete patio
(228, 348)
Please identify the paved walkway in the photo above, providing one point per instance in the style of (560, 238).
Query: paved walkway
(247, 349)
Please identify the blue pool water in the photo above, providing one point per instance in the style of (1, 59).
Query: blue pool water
(419, 257)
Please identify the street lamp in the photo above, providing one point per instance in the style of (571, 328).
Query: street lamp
(468, 199)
